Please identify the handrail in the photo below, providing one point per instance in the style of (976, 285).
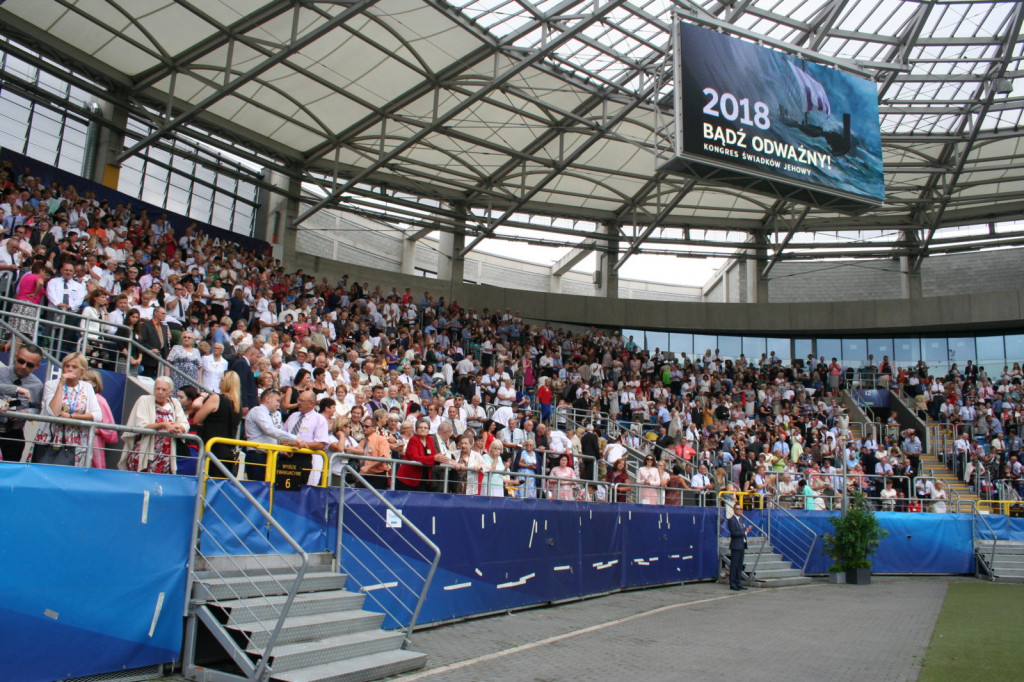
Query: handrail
(773, 536)
(82, 339)
(723, 513)
(347, 471)
(260, 670)
(979, 516)
(93, 425)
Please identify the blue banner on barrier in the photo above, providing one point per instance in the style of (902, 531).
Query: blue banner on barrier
(917, 543)
(93, 575)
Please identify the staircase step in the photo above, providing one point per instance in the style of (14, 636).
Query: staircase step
(361, 669)
(1002, 572)
(324, 651)
(311, 627)
(259, 564)
(241, 587)
(780, 582)
(241, 610)
(760, 574)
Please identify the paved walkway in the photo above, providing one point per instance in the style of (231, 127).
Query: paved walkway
(700, 632)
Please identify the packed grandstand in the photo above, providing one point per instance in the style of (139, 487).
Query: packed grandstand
(240, 346)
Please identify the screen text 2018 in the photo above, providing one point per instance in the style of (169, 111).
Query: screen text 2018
(729, 107)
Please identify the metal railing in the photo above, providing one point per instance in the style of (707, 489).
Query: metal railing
(90, 427)
(208, 525)
(793, 539)
(74, 332)
(726, 501)
(983, 532)
(356, 528)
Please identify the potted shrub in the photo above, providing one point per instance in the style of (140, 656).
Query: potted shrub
(856, 536)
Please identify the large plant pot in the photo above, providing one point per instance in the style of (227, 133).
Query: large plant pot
(858, 576)
(837, 577)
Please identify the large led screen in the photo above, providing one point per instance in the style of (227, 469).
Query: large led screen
(796, 128)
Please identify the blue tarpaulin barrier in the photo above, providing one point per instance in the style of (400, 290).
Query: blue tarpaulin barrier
(94, 562)
(92, 570)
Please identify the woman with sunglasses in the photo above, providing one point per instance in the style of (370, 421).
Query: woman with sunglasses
(649, 477)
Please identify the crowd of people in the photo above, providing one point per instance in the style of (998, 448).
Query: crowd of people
(469, 401)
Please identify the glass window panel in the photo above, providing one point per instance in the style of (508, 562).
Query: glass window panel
(704, 342)
(14, 65)
(221, 216)
(801, 349)
(200, 208)
(159, 155)
(934, 351)
(153, 196)
(729, 347)
(156, 173)
(991, 348)
(176, 206)
(906, 352)
(961, 350)
(781, 348)
(680, 343)
(204, 173)
(657, 340)
(829, 348)
(754, 347)
(242, 224)
(880, 348)
(44, 150)
(1014, 348)
(855, 353)
(636, 334)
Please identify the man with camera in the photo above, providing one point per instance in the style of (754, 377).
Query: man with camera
(22, 391)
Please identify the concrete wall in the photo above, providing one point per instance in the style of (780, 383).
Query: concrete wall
(833, 281)
(353, 239)
(975, 273)
(857, 297)
(885, 316)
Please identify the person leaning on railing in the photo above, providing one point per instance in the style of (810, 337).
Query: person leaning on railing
(154, 453)
(22, 391)
(378, 442)
(69, 397)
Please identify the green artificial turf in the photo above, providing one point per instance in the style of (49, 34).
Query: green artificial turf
(977, 634)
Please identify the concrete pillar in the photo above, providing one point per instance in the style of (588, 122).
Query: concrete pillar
(555, 284)
(910, 280)
(277, 212)
(104, 143)
(450, 265)
(605, 281)
(409, 256)
(757, 284)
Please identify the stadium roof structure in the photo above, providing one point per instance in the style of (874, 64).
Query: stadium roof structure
(541, 117)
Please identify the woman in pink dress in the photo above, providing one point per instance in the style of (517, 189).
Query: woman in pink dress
(103, 437)
(30, 290)
(649, 477)
(565, 487)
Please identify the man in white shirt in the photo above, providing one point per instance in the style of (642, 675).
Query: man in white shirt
(64, 294)
(212, 368)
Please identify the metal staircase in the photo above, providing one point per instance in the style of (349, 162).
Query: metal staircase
(764, 566)
(777, 553)
(261, 609)
(1000, 560)
(997, 558)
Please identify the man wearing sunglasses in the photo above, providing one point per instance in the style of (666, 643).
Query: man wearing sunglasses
(23, 392)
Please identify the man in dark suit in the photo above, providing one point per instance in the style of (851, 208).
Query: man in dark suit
(737, 547)
(156, 336)
(243, 365)
(590, 445)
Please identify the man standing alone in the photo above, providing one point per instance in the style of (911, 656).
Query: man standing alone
(737, 547)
